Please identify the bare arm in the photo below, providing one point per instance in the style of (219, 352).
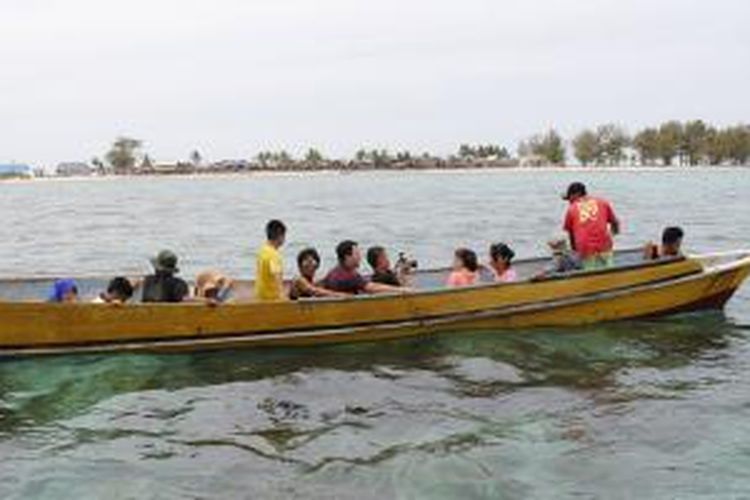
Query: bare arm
(279, 278)
(650, 251)
(568, 228)
(615, 226)
(572, 241)
(614, 222)
(319, 291)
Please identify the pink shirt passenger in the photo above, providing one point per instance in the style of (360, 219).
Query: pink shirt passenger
(464, 277)
(509, 276)
(501, 256)
(465, 268)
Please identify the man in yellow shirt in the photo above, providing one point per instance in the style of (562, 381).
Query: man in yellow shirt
(269, 273)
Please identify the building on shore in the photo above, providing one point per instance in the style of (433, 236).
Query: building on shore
(74, 169)
(481, 162)
(168, 168)
(15, 171)
(226, 166)
(533, 161)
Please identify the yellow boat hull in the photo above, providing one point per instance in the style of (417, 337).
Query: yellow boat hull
(587, 298)
(695, 293)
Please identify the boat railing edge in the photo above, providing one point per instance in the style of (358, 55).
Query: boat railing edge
(716, 262)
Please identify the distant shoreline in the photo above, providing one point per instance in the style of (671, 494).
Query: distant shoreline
(429, 171)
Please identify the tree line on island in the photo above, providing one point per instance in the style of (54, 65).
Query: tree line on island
(689, 144)
(672, 143)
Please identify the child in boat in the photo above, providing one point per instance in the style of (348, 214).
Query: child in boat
(465, 268)
(563, 260)
(64, 291)
(671, 245)
(119, 291)
(501, 263)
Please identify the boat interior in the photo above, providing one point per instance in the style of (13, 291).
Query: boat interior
(36, 289)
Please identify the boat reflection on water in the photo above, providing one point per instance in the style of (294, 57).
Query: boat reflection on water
(473, 409)
(481, 364)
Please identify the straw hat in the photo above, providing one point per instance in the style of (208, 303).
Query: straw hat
(208, 280)
(558, 245)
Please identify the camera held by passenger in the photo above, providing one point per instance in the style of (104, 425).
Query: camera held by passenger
(405, 264)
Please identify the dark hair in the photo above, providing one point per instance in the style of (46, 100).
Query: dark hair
(307, 253)
(502, 251)
(576, 189)
(373, 254)
(468, 258)
(672, 235)
(275, 229)
(120, 287)
(345, 249)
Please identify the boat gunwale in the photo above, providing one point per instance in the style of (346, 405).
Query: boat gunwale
(573, 275)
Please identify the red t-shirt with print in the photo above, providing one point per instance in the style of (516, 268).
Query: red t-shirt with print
(588, 220)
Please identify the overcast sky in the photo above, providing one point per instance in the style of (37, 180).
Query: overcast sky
(229, 77)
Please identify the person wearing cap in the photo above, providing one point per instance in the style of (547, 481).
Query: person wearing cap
(563, 260)
(163, 285)
(269, 268)
(590, 223)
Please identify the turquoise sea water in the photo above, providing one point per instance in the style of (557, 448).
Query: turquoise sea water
(655, 409)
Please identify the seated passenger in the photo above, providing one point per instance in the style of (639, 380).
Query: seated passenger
(465, 268)
(163, 285)
(303, 286)
(212, 285)
(345, 278)
(501, 258)
(382, 273)
(563, 260)
(64, 291)
(119, 291)
(671, 245)
(405, 269)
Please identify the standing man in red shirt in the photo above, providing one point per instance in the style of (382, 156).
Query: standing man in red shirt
(590, 222)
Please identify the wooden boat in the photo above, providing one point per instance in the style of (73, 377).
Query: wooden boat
(632, 289)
